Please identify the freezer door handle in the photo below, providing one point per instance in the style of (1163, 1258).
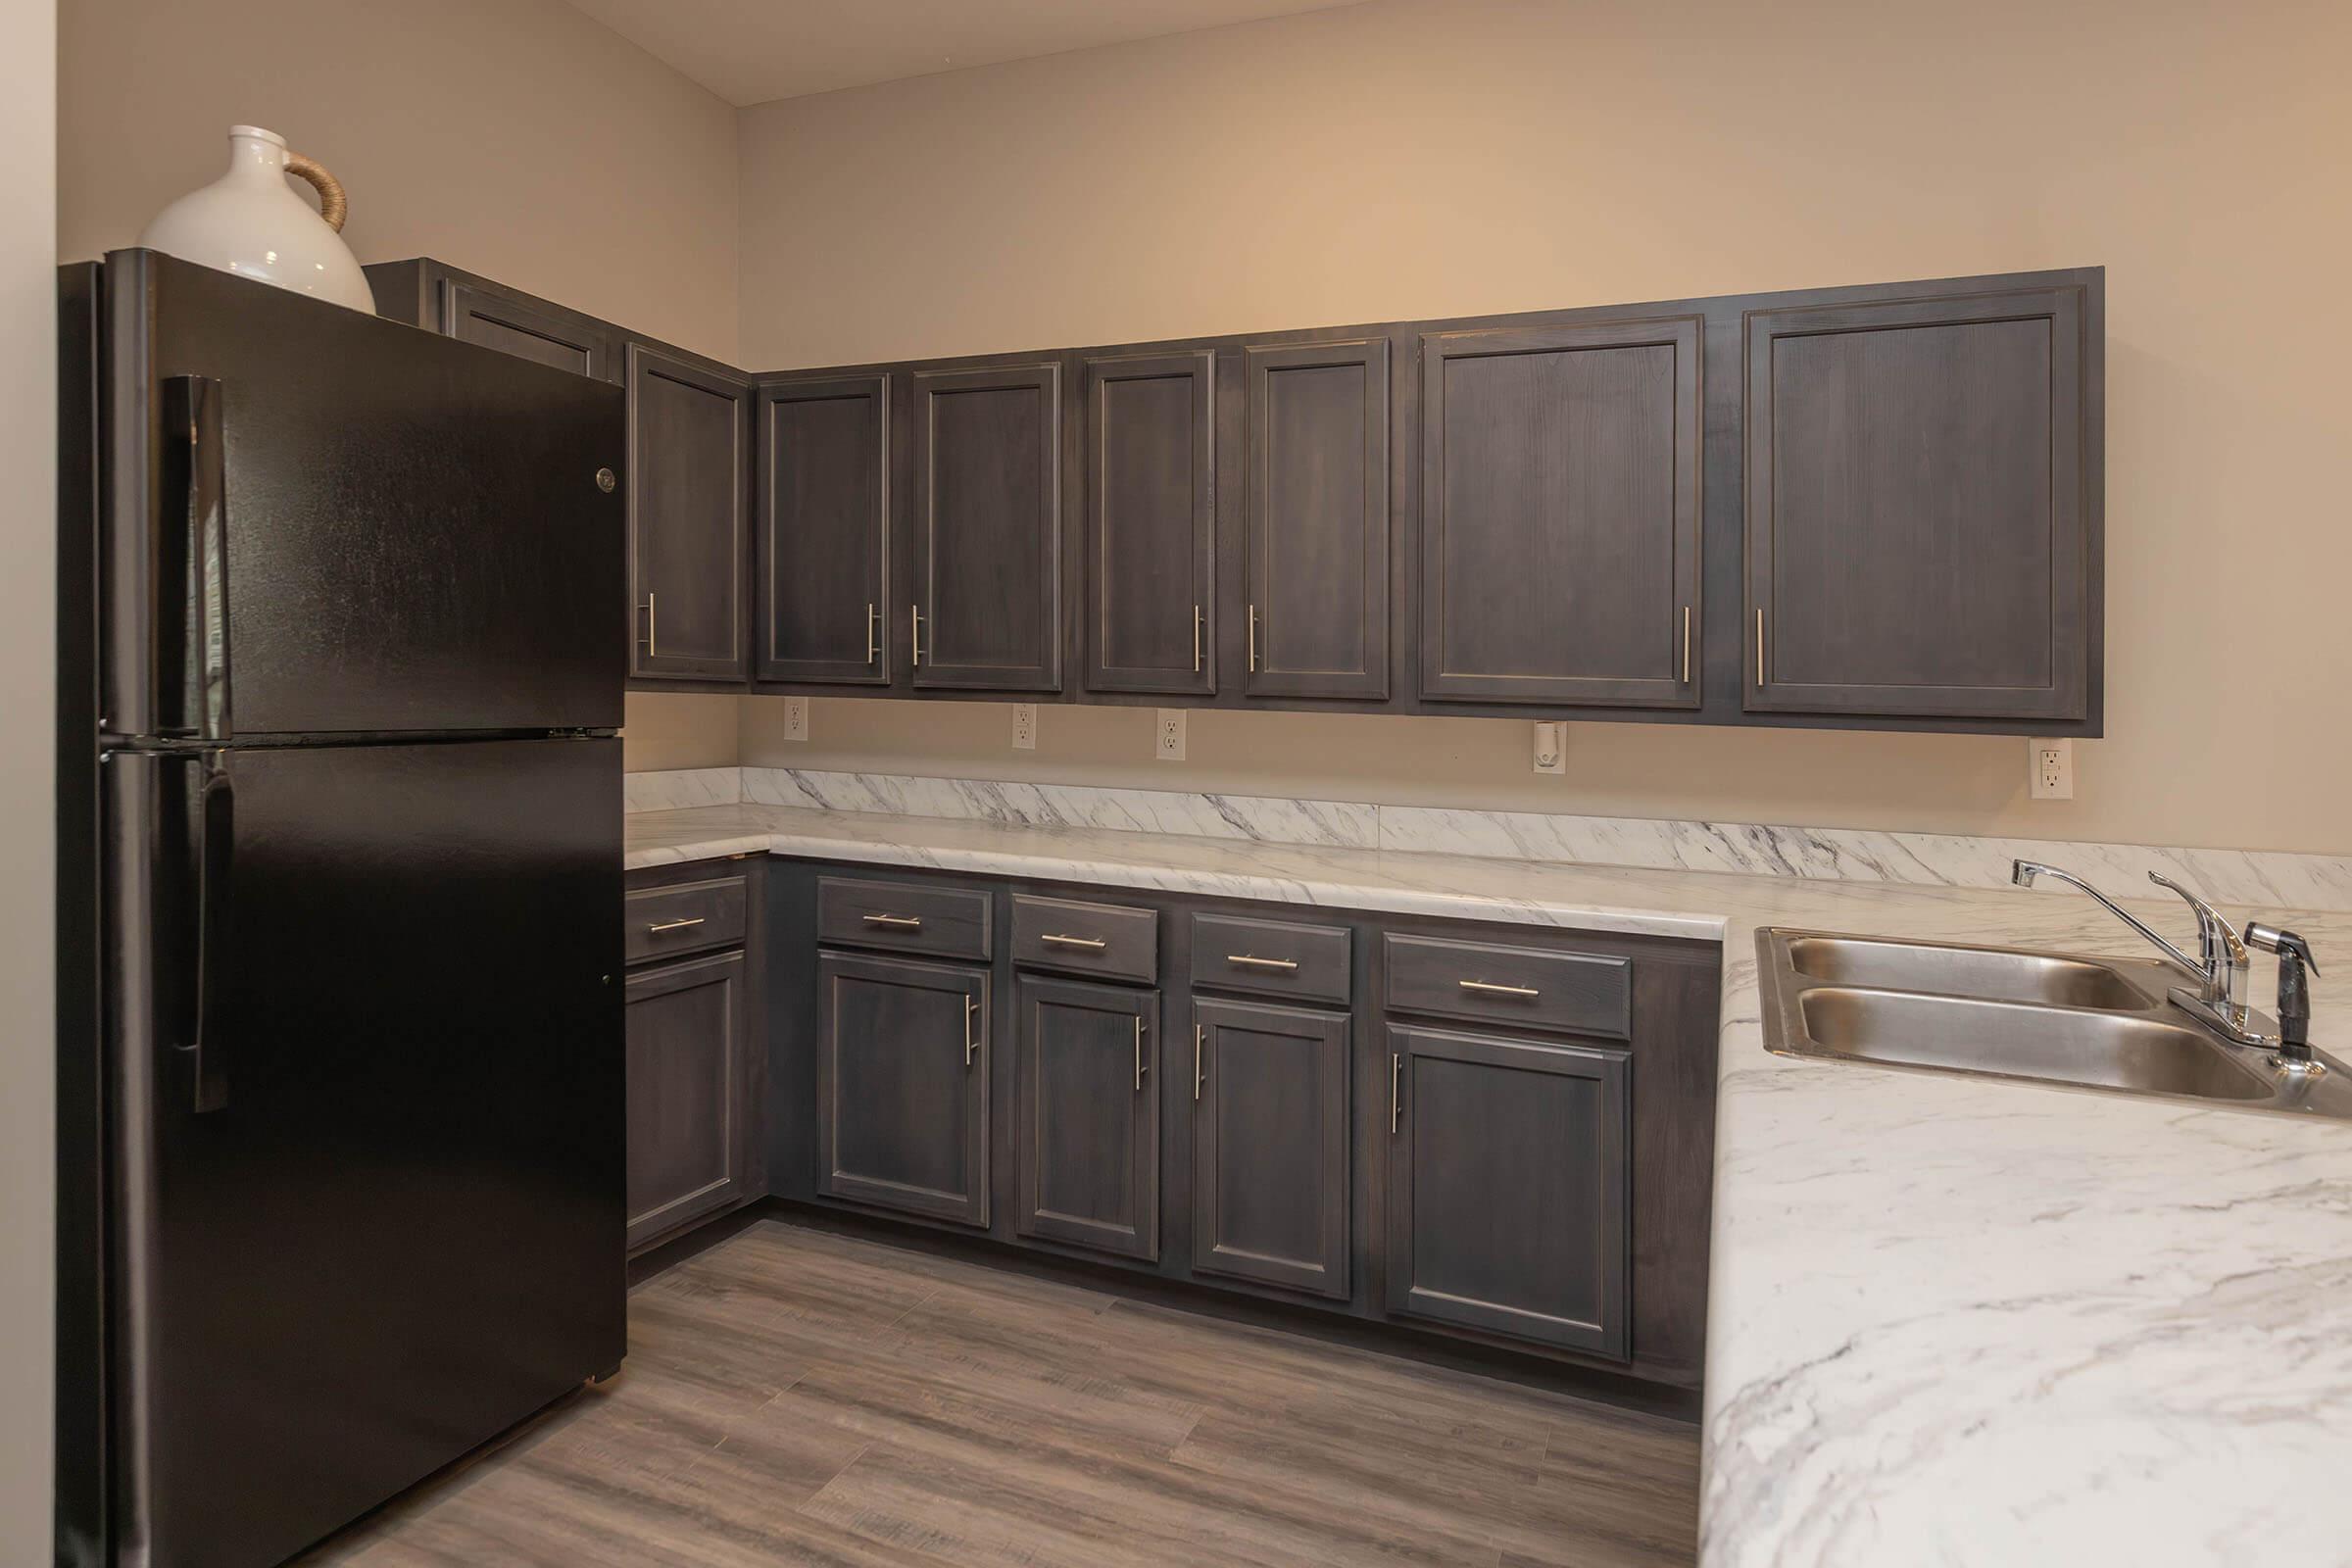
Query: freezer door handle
(192, 590)
(216, 834)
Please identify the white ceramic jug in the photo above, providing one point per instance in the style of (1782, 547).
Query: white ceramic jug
(249, 221)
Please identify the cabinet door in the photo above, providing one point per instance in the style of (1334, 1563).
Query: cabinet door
(690, 496)
(1089, 1121)
(986, 547)
(1270, 1145)
(1151, 523)
(1508, 1186)
(690, 1119)
(1559, 514)
(824, 531)
(1317, 499)
(903, 1085)
(526, 329)
(1917, 541)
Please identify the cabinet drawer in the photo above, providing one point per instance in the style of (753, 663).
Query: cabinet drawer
(684, 917)
(952, 922)
(1533, 987)
(1272, 957)
(1106, 939)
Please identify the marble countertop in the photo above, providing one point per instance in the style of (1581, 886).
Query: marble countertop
(1950, 1320)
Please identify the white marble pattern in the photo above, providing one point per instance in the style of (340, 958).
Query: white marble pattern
(673, 790)
(2262, 879)
(1950, 1320)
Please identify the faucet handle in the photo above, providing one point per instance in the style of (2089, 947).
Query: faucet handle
(2218, 940)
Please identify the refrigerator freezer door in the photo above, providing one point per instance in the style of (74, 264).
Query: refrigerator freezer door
(380, 1219)
(320, 523)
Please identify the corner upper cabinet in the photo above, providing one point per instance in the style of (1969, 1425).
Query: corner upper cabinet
(1151, 523)
(690, 499)
(473, 309)
(984, 579)
(824, 547)
(1316, 505)
(1921, 508)
(1560, 513)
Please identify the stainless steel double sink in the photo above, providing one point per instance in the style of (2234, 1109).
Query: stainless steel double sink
(2009, 1013)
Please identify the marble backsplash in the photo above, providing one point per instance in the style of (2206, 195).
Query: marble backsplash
(2264, 879)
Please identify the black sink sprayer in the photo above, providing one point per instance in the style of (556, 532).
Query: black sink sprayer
(2294, 990)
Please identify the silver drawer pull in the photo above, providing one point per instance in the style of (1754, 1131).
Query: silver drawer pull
(1499, 991)
(1261, 963)
(1090, 944)
(897, 922)
(672, 926)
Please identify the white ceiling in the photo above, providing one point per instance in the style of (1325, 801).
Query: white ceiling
(750, 51)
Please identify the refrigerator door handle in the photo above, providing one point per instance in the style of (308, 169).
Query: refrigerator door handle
(194, 589)
(215, 832)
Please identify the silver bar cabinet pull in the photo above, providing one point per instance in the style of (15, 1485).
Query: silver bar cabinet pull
(1090, 944)
(1499, 991)
(1396, 1079)
(650, 650)
(1252, 639)
(873, 631)
(1760, 677)
(1198, 1032)
(1139, 1051)
(1686, 644)
(674, 925)
(1196, 619)
(898, 922)
(970, 1043)
(916, 615)
(1256, 962)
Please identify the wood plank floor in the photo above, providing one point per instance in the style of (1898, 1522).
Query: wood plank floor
(799, 1396)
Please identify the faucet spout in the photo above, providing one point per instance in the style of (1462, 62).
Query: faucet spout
(2022, 873)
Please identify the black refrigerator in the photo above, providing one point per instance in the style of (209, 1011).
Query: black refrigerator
(340, 1053)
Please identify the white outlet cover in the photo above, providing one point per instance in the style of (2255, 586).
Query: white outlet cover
(796, 719)
(2049, 768)
(1551, 748)
(1025, 726)
(1170, 735)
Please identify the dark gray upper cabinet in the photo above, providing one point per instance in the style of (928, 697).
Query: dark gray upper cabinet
(516, 324)
(690, 1120)
(690, 498)
(1560, 513)
(1919, 535)
(1509, 1187)
(1270, 1176)
(1317, 519)
(1151, 523)
(903, 1085)
(985, 545)
(1088, 1126)
(823, 548)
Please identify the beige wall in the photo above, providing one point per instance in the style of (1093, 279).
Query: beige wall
(516, 138)
(1404, 159)
(28, 796)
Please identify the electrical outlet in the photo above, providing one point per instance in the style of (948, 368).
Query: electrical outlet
(1025, 726)
(1551, 749)
(2050, 768)
(796, 719)
(1170, 733)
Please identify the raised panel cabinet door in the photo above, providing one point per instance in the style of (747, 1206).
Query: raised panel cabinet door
(985, 603)
(1560, 513)
(689, 1110)
(1087, 1085)
(1271, 1178)
(1509, 1187)
(823, 545)
(690, 499)
(1151, 523)
(525, 329)
(1317, 519)
(1919, 532)
(903, 1085)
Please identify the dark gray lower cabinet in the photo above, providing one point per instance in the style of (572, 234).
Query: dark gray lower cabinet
(1270, 1145)
(903, 1085)
(1509, 1187)
(690, 1118)
(1088, 1083)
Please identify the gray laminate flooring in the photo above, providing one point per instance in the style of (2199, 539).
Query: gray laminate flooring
(799, 1396)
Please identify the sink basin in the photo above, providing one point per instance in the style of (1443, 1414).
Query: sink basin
(2062, 1019)
(1991, 974)
(2092, 1049)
